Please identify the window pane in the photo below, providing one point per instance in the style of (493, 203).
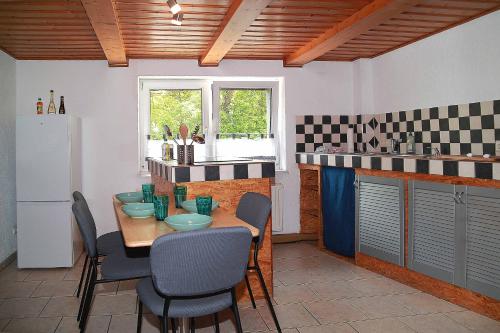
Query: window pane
(174, 107)
(244, 111)
(245, 121)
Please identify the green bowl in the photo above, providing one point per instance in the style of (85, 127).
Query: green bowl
(129, 197)
(187, 222)
(190, 205)
(139, 210)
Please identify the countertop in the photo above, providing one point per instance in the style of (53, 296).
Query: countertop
(223, 169)
(447, 165)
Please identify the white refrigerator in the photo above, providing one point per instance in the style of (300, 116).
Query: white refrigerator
(48, 170)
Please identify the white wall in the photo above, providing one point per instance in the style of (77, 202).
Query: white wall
(460, 65)
(106, 100)
(7, 155)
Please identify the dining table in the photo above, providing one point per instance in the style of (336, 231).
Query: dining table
(142, 232)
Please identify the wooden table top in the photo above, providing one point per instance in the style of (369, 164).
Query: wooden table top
(143, 232)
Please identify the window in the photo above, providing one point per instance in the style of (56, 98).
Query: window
(231, 115)
(173, 107)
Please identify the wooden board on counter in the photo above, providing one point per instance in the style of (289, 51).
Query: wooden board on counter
(431, 178)
(311, 216)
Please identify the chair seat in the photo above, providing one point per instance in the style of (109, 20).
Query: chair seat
(121, 267)
(110, 243)
(181, 308)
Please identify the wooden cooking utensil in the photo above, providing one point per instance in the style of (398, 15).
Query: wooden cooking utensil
(183, 132)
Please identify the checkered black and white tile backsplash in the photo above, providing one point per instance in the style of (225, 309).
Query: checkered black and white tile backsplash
(454, 129)
(201, 173)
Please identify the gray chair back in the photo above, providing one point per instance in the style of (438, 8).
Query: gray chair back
(78, 197)
(200, 262)
(254, 208)
(86, 225)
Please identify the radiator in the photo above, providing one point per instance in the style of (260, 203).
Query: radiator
(277, 213)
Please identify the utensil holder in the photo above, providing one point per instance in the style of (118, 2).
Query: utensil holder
(185, 154)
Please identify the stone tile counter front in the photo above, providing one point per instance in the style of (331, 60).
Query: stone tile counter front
(226, 182)
(418, 218)
(446, 165)
(212, 171)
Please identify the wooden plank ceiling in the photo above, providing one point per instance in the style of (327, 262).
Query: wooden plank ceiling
(229, 29)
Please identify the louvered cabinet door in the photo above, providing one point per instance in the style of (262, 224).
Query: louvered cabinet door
(380, 218)
(431, 229)
(482, 258)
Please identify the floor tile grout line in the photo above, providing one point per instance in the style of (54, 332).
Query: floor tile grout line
(312, 315)
(38, 316)
(59, 323)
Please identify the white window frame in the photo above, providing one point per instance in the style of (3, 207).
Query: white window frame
(274, 105)
(210, 87)
(145, 87)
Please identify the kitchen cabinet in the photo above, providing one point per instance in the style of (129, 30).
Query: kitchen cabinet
(380, 218)
(436, 230)
(454, 234)
(482, 250)
(310, 201)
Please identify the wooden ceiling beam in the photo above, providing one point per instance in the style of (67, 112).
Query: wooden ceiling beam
(238, 18)
(102, 16)
(366, 18)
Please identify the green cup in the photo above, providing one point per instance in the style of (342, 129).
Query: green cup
(180, 193)
(204, 205)
(148, 191)
(161, 206)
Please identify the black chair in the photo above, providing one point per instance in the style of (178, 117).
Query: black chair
(194, 274)
(254, 208)
(114, 267)
(110, 243)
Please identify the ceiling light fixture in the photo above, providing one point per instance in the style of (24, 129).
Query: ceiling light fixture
(174, 6)
(177, 19)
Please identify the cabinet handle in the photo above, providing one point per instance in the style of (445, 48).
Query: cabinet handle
(460, 198)
(455, 198)
(356, 183)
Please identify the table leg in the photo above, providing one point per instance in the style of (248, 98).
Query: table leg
(184, 325)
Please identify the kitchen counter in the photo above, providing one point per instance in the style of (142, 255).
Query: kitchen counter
(445, 165)
(405, 183)
(226, 181)
(212, 170)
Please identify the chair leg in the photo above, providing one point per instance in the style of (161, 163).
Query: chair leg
(139, 317)
(164, 324)
(84, 269)
(268, 298)
(85, 288)
(250, 291)
(216, 323)
(236, 313)
(88, 299)
(191, 325)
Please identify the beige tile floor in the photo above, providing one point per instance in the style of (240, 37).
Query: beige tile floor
(313, 291)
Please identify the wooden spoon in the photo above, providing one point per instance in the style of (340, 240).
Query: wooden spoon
(183, 132)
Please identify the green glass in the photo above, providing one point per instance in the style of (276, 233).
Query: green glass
(204, 205)
(148, 191)
(180, 193)
(161, 206)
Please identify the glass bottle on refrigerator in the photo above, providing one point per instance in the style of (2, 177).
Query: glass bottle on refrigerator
(52, 105)
(62, 110)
